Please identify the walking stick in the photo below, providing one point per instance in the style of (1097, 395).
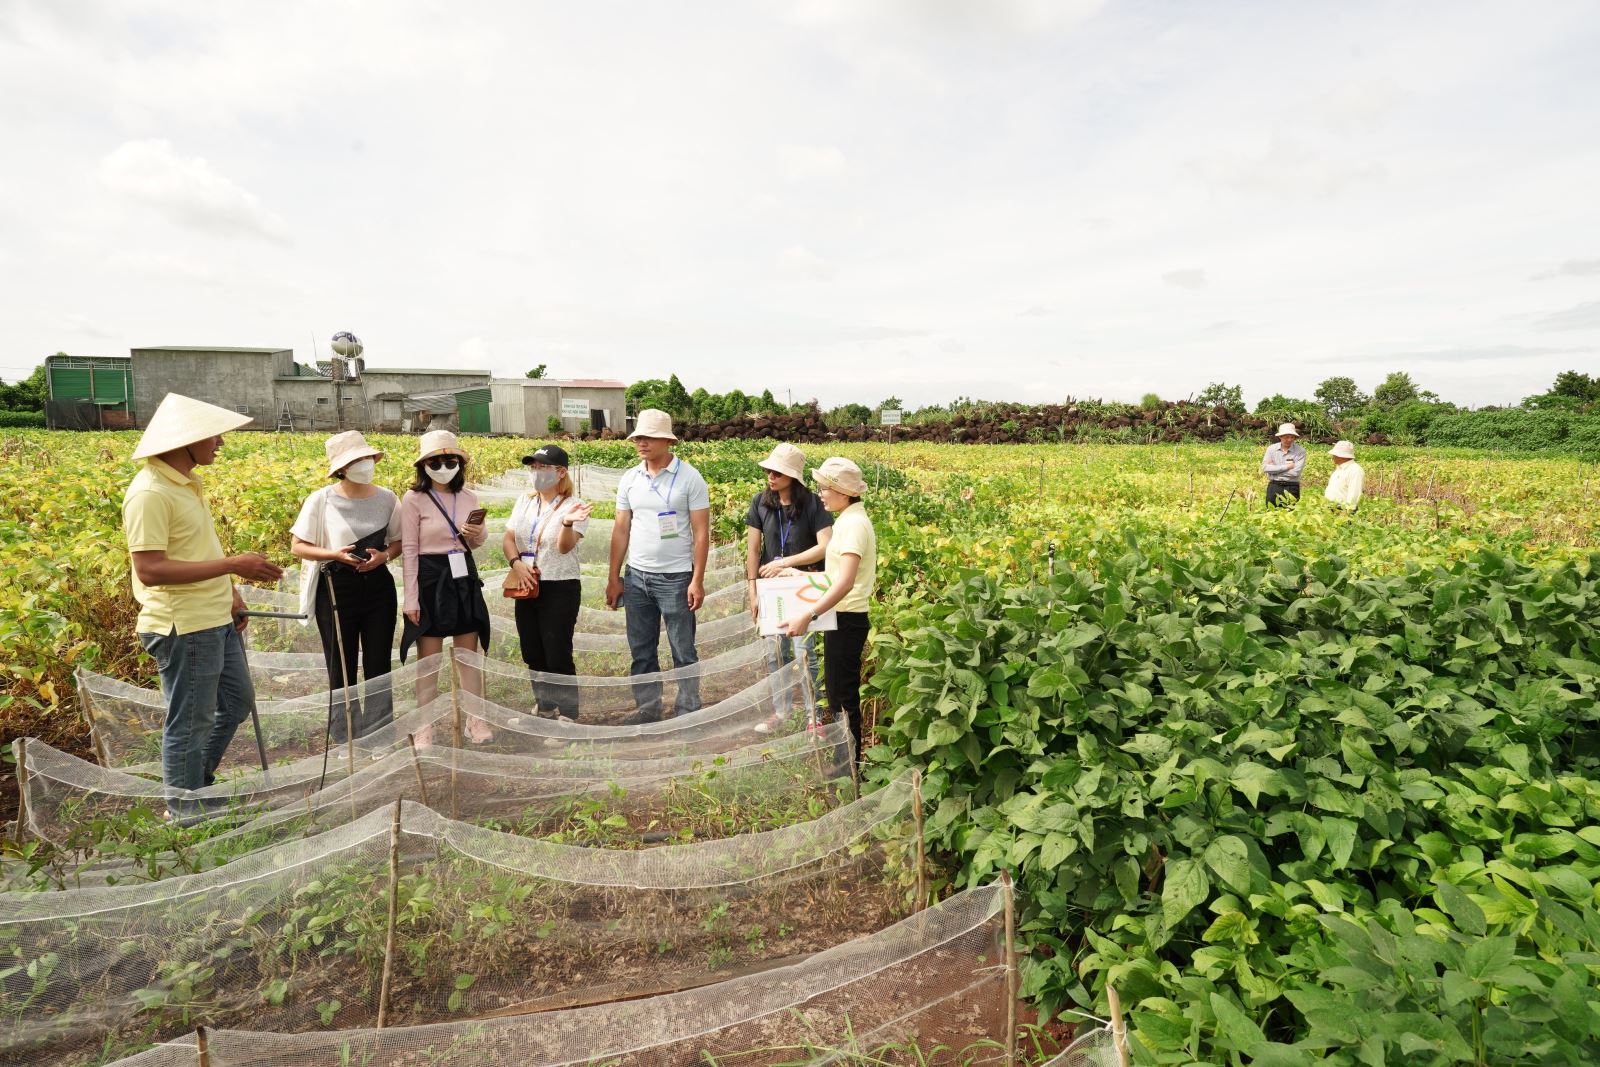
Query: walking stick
(255, 715)
(344, 674)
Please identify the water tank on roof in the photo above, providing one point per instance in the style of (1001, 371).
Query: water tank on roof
(346, 344)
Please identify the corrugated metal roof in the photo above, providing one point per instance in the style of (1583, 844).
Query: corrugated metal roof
(212, 348)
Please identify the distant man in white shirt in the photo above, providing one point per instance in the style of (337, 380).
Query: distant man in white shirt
(1283, 464)
(1344, 484)
(663, 534)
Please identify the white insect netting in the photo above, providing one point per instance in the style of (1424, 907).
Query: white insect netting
(125, 720)
(292, 937)
(1097, 1048)
(931, 988)
(605, 800)
(599, 644)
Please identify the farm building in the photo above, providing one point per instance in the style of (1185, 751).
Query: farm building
(267, 384)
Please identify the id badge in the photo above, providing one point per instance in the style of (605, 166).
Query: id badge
(669, 524)
(458, 563)
(529, 558)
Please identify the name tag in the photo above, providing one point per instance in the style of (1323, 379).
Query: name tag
(668, 521)
(458, 563)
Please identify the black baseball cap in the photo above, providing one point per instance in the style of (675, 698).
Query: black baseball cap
(552, 455)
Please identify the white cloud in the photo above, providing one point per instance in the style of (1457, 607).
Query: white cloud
(805, 162)
(1191, 278)
(145, 264)
(1572, 268)
(1584, 316)
(799, 263)
(186, 190)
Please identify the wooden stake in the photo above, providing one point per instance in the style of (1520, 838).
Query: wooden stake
(416, 765)
(394, 905)
(1011, 968)
(1229, 504)
(922, 854)
(86, 709)
(1119, 1032)
(455, 707)
(202, 1047)
(22, 789)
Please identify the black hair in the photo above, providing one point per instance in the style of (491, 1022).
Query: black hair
(337, 475)
(852, 499)
(423, 483)
(799, 497)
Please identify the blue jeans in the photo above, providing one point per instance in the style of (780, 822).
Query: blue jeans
(206, 685)
(650, 599)
(786, 650)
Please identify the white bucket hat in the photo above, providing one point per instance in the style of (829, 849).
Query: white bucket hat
(1343, 450)
(842, 474)
(653, 423)
(345, 448)
(182, 420)
(439, 443)
(1287, 430)
(786, 459)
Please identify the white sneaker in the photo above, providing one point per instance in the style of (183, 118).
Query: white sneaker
(767, 726)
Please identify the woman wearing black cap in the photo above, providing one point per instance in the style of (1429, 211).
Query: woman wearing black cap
(541, 545)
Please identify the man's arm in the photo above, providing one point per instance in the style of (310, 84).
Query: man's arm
(152, 568)
(621, 528)
(700, 523)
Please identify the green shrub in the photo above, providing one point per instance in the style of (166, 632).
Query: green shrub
(1518, 429)
(22, 420)
(553, 424)
(1293, 814)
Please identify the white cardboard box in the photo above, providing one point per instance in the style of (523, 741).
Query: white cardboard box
(784, 598)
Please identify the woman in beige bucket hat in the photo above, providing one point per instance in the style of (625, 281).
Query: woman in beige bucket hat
(786, 526)
(345, 537)
(440, 525)
(852, 569)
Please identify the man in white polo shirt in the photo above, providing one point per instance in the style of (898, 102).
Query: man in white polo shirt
(663, 532)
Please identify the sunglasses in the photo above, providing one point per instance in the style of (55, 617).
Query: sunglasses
(439, 463)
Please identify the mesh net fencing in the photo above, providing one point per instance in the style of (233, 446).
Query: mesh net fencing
(292, 938)
(727, 694)
(1097, 1048)
(600, 644)
(110, 826)
(931, 988)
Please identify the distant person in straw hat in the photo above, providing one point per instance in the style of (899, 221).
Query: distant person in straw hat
(1347, 479)
(440, 525)
(188, 607)
(786, 526)
(663, 533)
(345, 536)
(1283, 465)
(541, 546)
(852, 568)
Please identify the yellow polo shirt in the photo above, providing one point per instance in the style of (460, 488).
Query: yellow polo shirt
(853, 534)
(166, 511)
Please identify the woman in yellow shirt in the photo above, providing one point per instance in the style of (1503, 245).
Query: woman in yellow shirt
(851, 564)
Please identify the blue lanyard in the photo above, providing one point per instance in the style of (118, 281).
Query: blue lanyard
(667, 500)
(784, 530)
(533, 531)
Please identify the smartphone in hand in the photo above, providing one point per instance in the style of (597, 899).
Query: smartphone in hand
(476, 516)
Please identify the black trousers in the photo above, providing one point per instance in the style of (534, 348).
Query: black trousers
(367, 608)
(1276, 491)
(544, 629)
(841, 668)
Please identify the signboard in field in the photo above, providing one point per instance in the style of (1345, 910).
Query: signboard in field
(889, 417)
(574, 409)
(781, 599)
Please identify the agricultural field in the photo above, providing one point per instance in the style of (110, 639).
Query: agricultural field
(1304, 787)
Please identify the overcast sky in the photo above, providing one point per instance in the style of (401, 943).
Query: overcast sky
(847, 199)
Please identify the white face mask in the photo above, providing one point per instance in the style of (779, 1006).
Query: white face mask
(443, 474)
(361, 471)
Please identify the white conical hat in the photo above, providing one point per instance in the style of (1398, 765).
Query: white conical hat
(183, 420)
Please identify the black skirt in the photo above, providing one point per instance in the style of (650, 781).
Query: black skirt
(447, 606)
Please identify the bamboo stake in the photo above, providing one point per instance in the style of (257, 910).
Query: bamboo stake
(1229, 504)
(86, 711)
(922, 854)
(1011, 968)
(22, 789)
(455, 707)
(202, 1047)
(416, 765)
(394, 905)
(1119, 1032)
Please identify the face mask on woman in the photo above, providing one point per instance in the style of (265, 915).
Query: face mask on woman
(444, 473)
(543, 480)
(361, 471)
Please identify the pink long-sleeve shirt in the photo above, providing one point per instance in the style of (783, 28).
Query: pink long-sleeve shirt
(424, 532)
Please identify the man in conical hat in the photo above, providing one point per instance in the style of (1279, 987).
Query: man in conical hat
(184, 586)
